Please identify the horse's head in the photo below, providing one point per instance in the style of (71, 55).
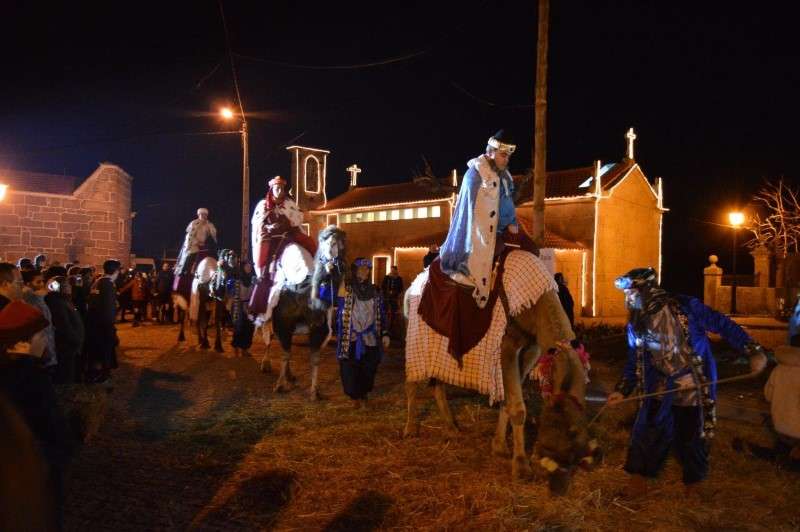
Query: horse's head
(227, 259)
(331, 244)
(563, 441)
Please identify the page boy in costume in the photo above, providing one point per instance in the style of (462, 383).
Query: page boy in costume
(361, 332)
(484, 211)
(275, 224)
(669, 349)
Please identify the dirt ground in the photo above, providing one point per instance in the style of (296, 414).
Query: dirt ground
(197, 440)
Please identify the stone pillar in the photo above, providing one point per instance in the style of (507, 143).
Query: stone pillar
(712, 279)
(762, 259)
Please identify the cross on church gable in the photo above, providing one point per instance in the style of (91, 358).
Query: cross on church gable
(354, 171)
(631, 136)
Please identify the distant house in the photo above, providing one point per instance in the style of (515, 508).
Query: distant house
(70, 220)
(601, 221)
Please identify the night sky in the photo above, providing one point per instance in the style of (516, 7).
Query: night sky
(709, 87)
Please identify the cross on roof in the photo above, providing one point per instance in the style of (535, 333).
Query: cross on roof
(354, 171)
(631, 136)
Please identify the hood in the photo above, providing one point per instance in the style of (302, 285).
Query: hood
(788, 355)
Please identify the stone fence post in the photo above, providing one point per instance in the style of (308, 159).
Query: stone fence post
(712, 280)
(762, 259)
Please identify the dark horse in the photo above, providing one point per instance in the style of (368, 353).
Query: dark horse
(306, 307)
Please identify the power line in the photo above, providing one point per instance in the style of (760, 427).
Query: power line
(382, 62)
(487, 102)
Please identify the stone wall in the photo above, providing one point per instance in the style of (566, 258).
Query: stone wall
(88, 226)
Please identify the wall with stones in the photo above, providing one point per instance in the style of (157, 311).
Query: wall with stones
(88, 226)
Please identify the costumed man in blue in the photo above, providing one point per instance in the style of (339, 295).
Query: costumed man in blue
(669, 349)
(361, 332)
(484, 211)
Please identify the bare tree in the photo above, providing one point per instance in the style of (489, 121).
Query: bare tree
(540, 132)
(777, 226)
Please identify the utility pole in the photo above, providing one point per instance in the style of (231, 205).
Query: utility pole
(540, 132)
(245, 253)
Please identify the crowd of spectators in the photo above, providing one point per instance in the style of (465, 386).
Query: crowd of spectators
(57, 330)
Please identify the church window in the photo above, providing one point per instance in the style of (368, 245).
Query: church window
(312, 180)
(436, 211)
(358, 217)
(381, 216)
(422, 212)
(371, 216)
(395, 214)
(345, 218)
(408, 214)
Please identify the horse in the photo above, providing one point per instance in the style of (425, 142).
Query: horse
(200, 309)
(296, 306)
(531, 328)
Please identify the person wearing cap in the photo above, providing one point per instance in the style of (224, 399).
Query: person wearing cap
(40, 262)
(101, 332)
(484, 210)
(360, 331)
(275, 224)
(669, 349)
(200, 242)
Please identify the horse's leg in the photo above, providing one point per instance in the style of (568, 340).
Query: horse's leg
(515, 406)
(267, 336)
(284, 384)
(313, 392)
(499, 443)
(202, 327)
(218, 317)
(182, 318)
(412, 423)
(450, 426)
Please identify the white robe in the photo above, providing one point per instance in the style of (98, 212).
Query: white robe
(288, 208)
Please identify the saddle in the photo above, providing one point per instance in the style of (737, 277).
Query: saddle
(449, 308)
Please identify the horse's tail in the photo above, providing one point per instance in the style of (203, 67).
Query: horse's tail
(194, 302)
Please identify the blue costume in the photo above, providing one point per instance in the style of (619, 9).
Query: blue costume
(360, 327)
(458, 245)
(669, 347)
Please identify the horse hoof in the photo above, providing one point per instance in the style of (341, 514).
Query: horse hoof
(500, 449)
(411, 431)
(315, 396)
(521, 468)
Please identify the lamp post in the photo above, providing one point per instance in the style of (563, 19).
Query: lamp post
(227, 114)
(736, 219)
(3, 190)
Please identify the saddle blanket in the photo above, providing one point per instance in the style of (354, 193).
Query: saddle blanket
(525, 279)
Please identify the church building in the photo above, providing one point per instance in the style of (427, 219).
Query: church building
(601, 221)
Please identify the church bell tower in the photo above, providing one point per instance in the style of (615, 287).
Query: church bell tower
(309, 167)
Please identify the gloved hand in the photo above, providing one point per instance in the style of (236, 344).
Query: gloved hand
(758, 358)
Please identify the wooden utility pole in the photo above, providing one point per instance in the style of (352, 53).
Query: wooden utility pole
(540, 132)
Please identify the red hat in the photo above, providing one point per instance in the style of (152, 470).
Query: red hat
(19, 321)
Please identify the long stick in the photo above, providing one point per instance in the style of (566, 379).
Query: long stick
(673, 390)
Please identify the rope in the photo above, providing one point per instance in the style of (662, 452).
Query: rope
(665, 392)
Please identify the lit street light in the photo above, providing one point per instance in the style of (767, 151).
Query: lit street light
(3, 190)
(227, 114)
(736, 219)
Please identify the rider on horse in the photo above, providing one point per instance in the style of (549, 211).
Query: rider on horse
(275, 225)
(200, 242)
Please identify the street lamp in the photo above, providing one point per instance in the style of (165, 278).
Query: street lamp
(3, 190)
(736, 219)
(228, 114)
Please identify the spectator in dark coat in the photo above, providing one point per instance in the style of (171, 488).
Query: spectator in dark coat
(164, 293)
(100, 330)
(68, 328)
(565, 297)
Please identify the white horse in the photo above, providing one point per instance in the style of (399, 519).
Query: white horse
(200, 308)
